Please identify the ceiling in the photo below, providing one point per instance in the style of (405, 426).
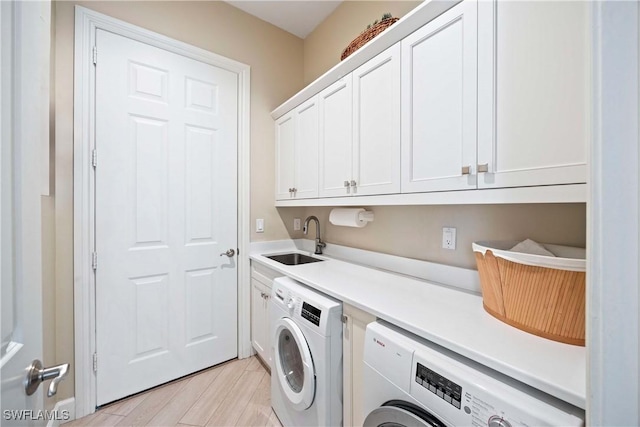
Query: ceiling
(297, 17)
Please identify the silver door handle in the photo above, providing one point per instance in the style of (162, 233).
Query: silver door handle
(466, 170)
(230, 253)
(37, 374)
(483, 168)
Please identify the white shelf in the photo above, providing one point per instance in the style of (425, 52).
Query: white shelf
(569, 193)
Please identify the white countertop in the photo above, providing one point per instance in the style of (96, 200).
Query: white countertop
(451, 318)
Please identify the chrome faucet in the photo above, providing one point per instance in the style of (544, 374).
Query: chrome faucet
(305, 228)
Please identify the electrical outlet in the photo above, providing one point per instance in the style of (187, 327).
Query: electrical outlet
(259, 225)
(296, 224)
(449, 238)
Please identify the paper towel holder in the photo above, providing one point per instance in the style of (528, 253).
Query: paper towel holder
(365, 216)
(350, 217)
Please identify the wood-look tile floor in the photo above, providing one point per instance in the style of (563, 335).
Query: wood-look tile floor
(236, 393)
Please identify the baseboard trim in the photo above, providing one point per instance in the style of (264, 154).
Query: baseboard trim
(65, 411)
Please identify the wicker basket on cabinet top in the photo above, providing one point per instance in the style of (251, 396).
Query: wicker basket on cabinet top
(367, 35)
(538, 294)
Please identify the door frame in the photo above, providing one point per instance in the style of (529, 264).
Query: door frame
(87, 22)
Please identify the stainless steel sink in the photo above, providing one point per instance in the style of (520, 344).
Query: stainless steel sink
(293, 259)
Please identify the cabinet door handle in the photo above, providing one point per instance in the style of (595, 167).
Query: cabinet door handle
(346, 185)
(353, 183)
(466, 170)
(483, 168)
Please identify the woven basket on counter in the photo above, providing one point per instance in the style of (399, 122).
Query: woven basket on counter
(367, 35)
(542, 295)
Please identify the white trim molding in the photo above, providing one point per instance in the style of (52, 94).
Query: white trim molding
(613, 232)
(87, 22)
(63, 412)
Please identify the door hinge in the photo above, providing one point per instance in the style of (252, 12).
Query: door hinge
(95, 362)
(95, 55)
(94, 260)
(94, 158)
(344, 318)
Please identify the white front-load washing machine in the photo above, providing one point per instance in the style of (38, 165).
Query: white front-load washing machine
(409, 381)
(306, 350)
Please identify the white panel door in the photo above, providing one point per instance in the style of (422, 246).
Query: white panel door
(439, 103)
(166, 209)
(534, 92)
(24, 125)
(306, 150)
(285, 156)
(376, 129)
(336, 137)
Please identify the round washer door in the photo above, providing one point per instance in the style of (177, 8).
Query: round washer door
(294, 365)
(398, 413)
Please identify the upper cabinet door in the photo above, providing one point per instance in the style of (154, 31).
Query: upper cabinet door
(285, 139)
(439, 103)
(336, 137)
(306, 150)
(534, 80)
(376, 119)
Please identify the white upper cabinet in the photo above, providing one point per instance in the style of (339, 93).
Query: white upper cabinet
(376, 125)
(297, 152)
(491, 97)
(285, 156)
(336, 133)
(360, 130)
(306, 150)
(534, 85)
(439, 72)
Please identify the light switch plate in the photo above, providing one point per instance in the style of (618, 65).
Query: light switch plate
(296, 224)
(449, 238)
(259, 225)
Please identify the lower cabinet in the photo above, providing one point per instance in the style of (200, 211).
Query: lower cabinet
(260, 339)
(261, 282)
(355, 323)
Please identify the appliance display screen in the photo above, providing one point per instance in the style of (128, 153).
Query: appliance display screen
(437, 384)
(311, 313)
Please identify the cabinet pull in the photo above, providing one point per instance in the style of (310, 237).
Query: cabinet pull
(483, 168)
(353, 183)
(466, 170)
(346, 185)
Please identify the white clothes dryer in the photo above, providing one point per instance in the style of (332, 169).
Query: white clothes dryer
(409, 381)
(306, 350)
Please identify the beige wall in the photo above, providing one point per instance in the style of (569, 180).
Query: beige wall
(416, 231)
(275, 57)
(323, 47)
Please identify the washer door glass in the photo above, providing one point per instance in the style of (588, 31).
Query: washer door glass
(291, 360)
(397, 413)
(293, 364)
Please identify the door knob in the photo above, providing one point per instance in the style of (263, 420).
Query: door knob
(230, 253)
(37, 374)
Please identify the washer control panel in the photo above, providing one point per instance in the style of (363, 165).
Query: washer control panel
(442, 387)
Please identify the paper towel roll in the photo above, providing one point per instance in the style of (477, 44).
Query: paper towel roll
(350, 217)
